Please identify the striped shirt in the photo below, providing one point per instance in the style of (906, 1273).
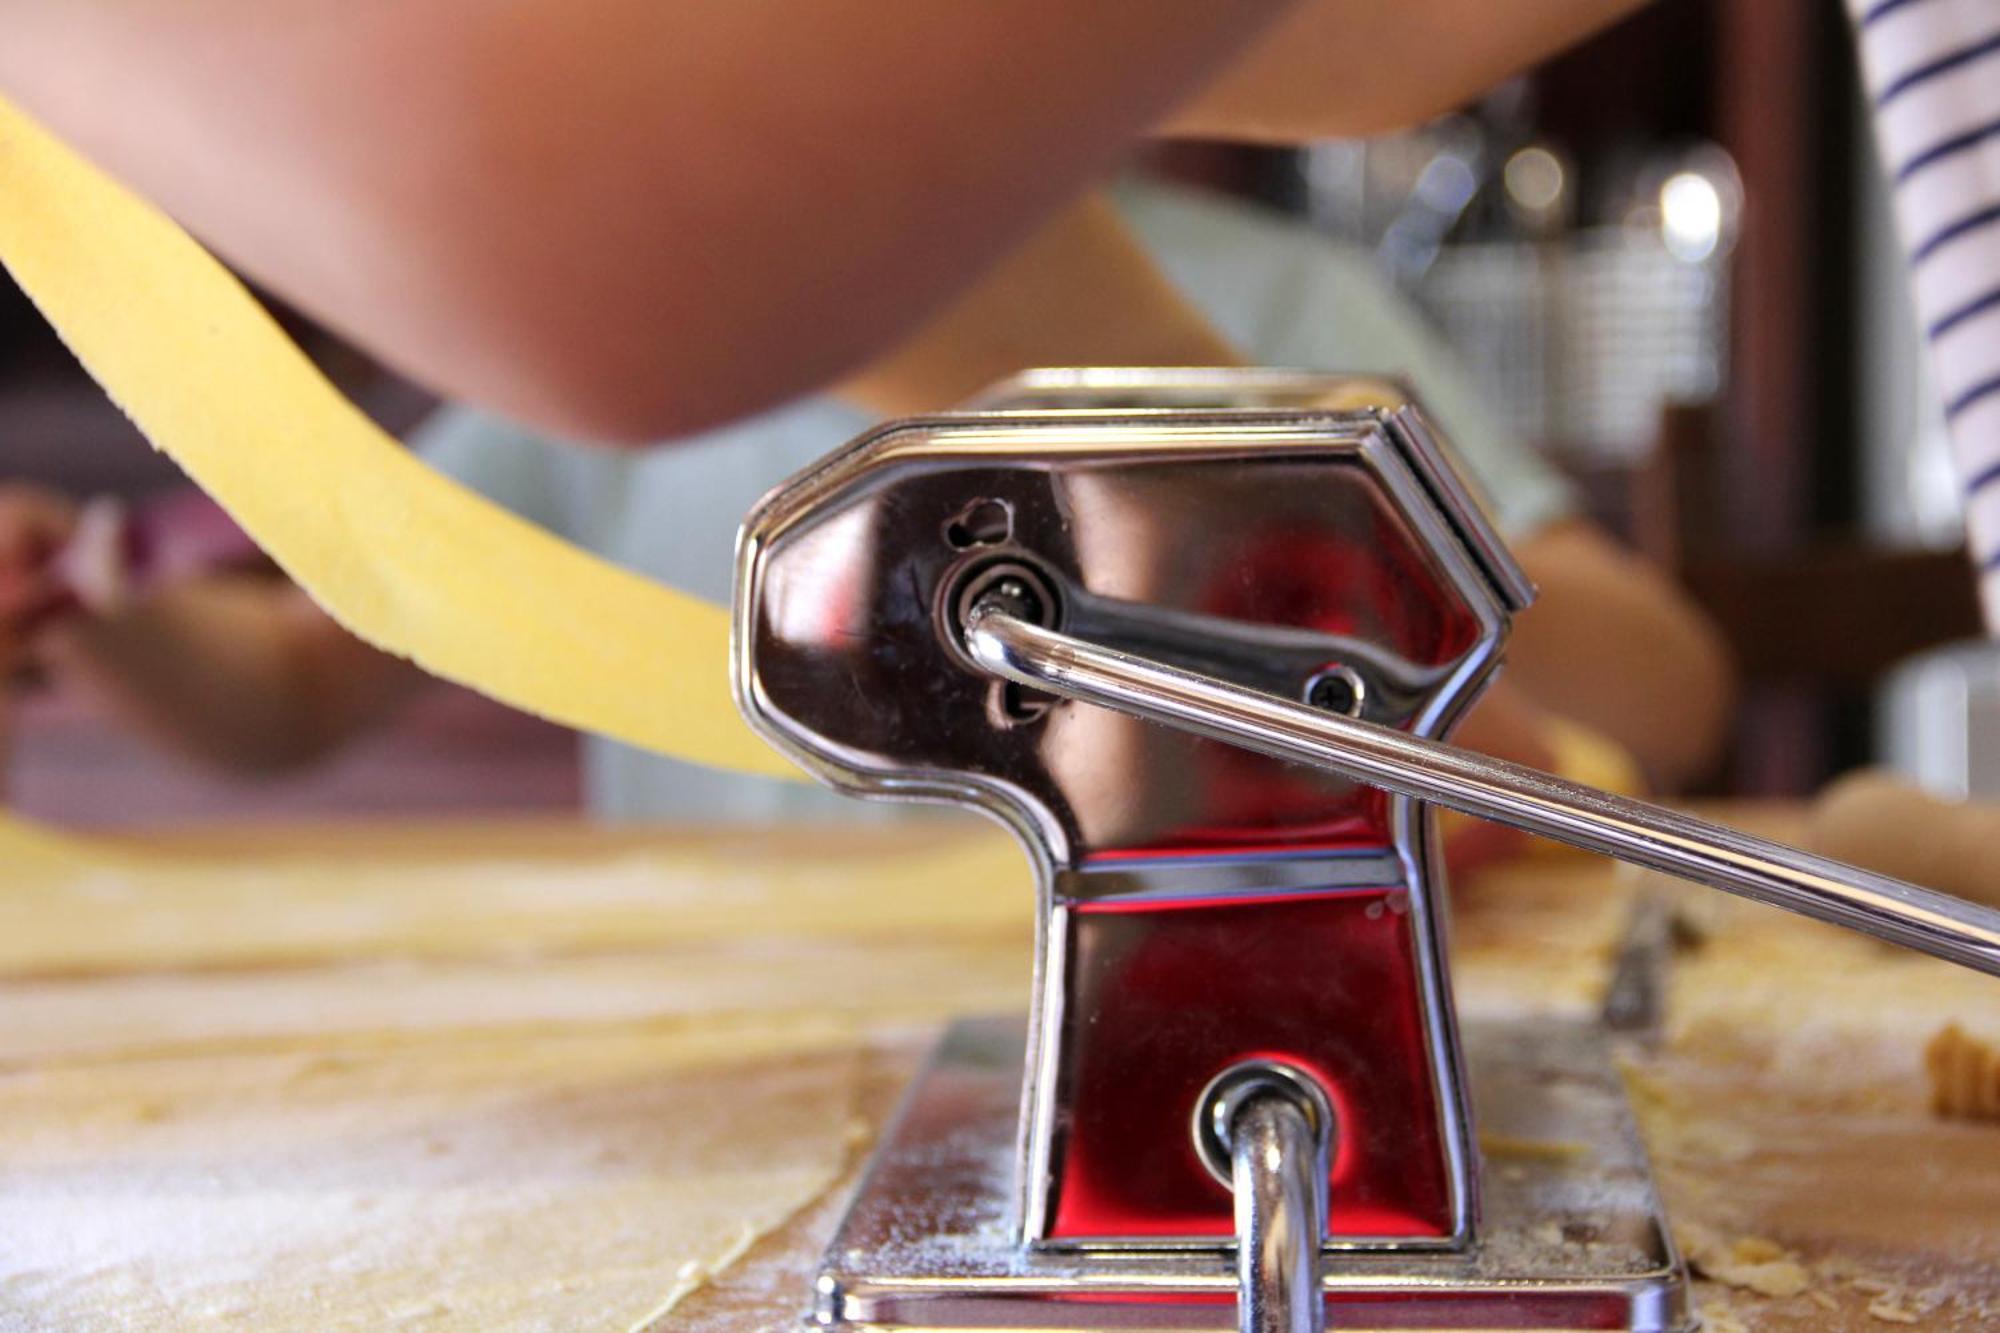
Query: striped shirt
(1932, 69)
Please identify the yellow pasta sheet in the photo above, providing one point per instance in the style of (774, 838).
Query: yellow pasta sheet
(467, 1077)
(403, 557)
(591, 1176)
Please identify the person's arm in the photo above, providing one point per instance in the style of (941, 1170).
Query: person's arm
(624, 218)
(1343, 68)
(1613, 644)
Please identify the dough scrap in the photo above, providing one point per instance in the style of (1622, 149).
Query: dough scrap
(1532, 1150)
(1965, 1075)
(1748, 1263)
(401, 556)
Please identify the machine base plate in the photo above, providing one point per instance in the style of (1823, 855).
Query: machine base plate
(1571, 1235)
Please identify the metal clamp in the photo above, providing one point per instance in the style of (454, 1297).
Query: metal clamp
(1005, 643)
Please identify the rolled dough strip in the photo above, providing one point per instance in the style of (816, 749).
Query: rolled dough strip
(403, 557)
(590, 1176)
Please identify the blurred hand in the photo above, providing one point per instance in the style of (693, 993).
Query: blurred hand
(35, 524)
(1887, 823)
(1505, 724)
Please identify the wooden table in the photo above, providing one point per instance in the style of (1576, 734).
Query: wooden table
(411, 1077)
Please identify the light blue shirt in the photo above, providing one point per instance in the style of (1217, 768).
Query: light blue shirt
(1281, 293)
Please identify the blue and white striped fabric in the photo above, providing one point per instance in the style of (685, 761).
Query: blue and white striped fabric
(1933, 74)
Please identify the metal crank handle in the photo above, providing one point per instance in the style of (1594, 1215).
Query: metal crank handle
(1278, 1165)
(1010, 646)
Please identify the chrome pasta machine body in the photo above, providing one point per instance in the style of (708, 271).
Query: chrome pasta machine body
(1192, 635)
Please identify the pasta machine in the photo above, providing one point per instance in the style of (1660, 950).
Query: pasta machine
(1193, 635)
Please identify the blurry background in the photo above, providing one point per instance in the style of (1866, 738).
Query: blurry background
(1667, 257)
